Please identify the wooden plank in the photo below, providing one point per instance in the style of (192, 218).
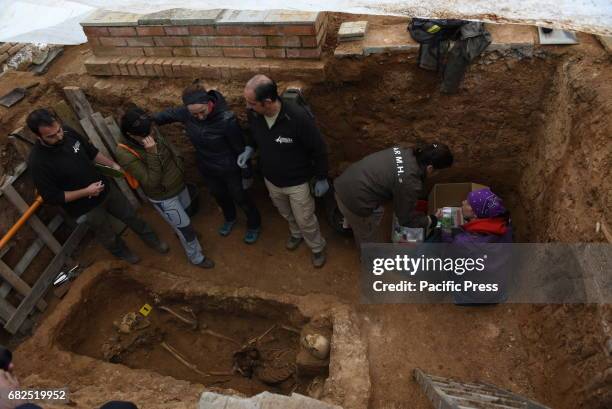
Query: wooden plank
(19, 169)
(18, 284)
(79, 103)
(95, 139)
(14, 197)
(67, 116)
(30, 254)
(6, 310)
(45, 280)
(115, 132)
(104, 132)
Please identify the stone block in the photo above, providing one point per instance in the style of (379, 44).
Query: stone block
(290, 17)
(511, 36)
(104, 18)
(264, 400)
(389, 39)
(351, 30)
(180, 17)
(242, 17)
(349, 49)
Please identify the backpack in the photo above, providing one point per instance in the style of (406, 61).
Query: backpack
(295, 95)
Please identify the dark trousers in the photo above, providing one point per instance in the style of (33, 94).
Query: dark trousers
(117, 205)
(227, 191)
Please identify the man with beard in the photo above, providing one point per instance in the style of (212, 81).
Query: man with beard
(62, 164)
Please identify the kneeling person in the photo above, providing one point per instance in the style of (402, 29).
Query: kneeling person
(150, 159)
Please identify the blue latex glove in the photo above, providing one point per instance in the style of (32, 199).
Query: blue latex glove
(244, 157)
(321, 187)
(247, 183)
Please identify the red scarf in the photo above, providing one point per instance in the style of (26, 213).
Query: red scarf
(495, 225)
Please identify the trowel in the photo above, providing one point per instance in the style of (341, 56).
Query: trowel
(15, 95)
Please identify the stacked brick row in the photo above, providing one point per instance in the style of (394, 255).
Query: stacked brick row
(231, 34)
(7, 50)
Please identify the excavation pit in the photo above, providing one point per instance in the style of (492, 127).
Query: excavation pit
(240, 342)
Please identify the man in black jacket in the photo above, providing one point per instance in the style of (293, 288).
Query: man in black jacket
(291, 152)
(62, 167)
(217, 139)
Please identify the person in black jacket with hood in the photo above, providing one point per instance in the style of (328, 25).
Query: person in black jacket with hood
(218, 140)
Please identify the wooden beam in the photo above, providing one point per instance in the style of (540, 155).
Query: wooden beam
(79, 103)
(45, 280)
(115, 133)
(30, 253)
(18, 284)
(10, 179)
(95, 139)
(67, 115)
(104, 132)
(14, 197)
(6, 310)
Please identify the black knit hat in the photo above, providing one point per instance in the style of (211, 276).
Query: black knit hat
(116, 404)
(136, 122)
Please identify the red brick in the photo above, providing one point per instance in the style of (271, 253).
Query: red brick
(167, 67)
(244, 30)
(107, 51)
(250, 41)
(206, 71)
(93, 41)
(197, 41)
(177, 31)
(112, 41)
(157, 66)
(304, 53)
(269, 52)
(97, 66)
(225, 71)
(202, 30)
(298, 30)
(309, 41)
(96, 31)
(131, 51)
(149, 67)
(184, 52)
(122, 31)
(221, 41)
(210, 51)
(4, 47)
(4, 57)
(244, 73)
(158, 51)
(140, 41)
(168, 41)
(115, 67)
(122, 63)
(180, 68)
(282, 41)
(238, 52)
(140, 67)
(131, 65)
(150, 31)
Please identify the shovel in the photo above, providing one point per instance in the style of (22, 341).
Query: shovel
(15, 96)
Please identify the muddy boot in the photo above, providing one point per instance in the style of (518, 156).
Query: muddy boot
(127, 255)
(318, 259)
(206, 263)
(293, 243)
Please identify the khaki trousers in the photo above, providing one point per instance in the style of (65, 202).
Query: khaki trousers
(297, 206)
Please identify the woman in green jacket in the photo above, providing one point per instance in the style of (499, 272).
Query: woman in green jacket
(150, 159)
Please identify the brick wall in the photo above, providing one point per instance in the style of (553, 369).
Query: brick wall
(7, 50)
(208, 33)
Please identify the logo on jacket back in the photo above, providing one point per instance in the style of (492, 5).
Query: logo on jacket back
(280, 139)
(76, 147)
(399, 163)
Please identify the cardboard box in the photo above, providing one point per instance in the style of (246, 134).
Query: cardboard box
(450, 195)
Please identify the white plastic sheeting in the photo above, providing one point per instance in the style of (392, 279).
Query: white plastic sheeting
(56, 21)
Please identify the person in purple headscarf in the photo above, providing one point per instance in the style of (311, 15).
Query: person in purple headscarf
(488, 221)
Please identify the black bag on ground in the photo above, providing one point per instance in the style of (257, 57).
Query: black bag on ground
(434, 36)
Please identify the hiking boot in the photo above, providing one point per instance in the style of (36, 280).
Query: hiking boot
(128, 256)
(318, 259)
(293, 243)
(251, 235)
(206, 263)
(226, 228)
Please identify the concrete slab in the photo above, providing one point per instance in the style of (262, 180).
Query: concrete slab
(291, 17)
(388, 39)
(557, 37)
(349, 49)
(180, 17)
(105, 18)
(606, 42)
(351, 30)
(265, 400)
(243, 17)
(507, 36)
